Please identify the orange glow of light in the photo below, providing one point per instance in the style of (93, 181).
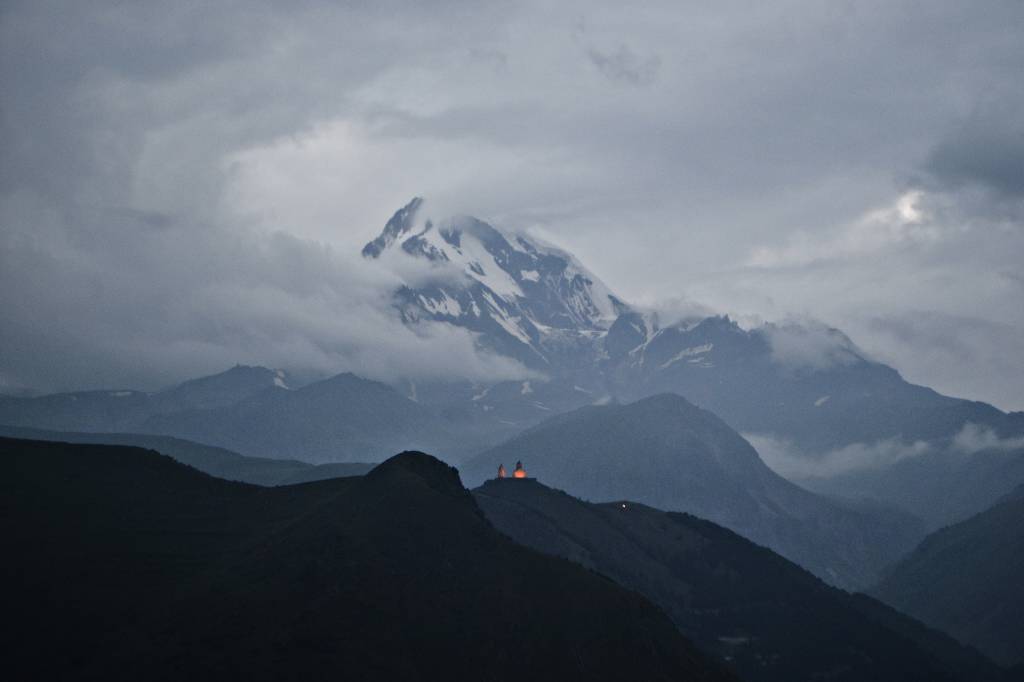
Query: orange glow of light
(519, 473)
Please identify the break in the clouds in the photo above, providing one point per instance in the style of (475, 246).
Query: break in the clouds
(187, 185)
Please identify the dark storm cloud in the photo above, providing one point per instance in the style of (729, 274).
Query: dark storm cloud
(750, 156)
(987, 151)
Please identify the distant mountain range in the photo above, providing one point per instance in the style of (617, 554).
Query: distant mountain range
(668, 453)
(128, 410)
(772, 620)
(121, 563)
(538, 304)
(966, 580)
(808, 389)
(252, 411)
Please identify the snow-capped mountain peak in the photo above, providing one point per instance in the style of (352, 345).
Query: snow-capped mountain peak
(524, 297)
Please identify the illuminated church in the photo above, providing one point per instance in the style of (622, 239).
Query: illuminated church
(519, 471)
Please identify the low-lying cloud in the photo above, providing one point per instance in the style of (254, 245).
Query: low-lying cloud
(809, 344)
(974, 438)
(175, 303)
(787, 461)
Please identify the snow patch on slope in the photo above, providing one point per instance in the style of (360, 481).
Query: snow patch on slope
(688, 353)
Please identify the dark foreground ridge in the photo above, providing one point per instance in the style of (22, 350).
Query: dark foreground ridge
(122, 563)
(771, 619)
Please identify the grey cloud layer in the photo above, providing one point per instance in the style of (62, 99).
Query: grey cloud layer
(151, 152)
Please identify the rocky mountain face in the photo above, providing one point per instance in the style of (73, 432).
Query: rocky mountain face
(527, 300)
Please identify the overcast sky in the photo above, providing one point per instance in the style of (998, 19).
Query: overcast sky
(186, 185)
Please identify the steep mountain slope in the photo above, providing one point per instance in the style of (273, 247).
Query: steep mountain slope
(666, 452)
(966, 580)
(769, 618)
(210, 460)
(395, 575)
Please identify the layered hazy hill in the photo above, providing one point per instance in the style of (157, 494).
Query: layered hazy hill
(666, 452)
(210, 460)
(126, 410)
(344, 418)
(966, 580)
(142, 567)
(252, 411)
(771, 619)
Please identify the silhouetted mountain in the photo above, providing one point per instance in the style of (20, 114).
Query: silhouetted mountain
(771, 619)
(122, 563)
(966, 580)
(666, 452)
(211, 460)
